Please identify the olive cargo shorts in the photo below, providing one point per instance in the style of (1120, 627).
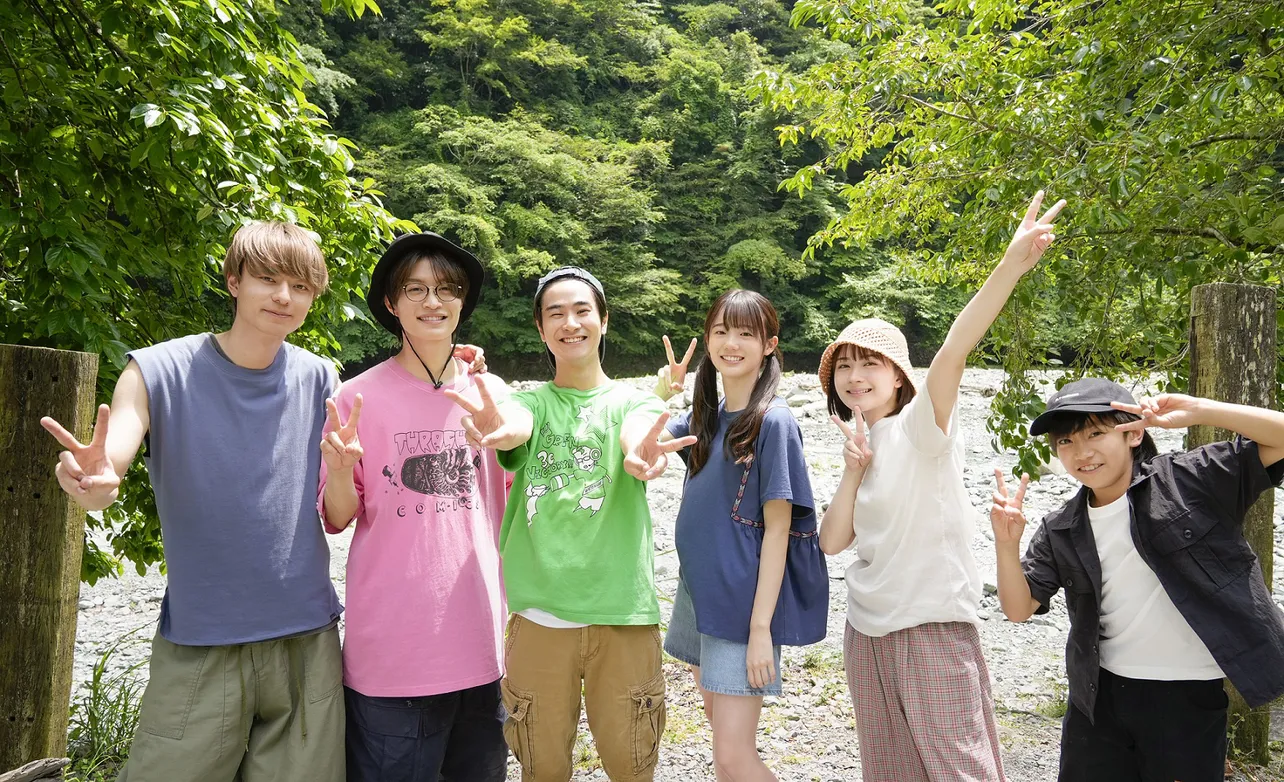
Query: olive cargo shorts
(271, 710)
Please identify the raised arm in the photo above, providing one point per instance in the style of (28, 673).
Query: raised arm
(91, 473)
(341, 449)
(1008, 521)
(1178, 411)
(1032, 238)
(838, 527)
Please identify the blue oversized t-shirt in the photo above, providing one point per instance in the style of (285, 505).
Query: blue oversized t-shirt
(720, 528)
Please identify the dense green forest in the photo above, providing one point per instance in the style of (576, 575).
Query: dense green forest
(617, 135)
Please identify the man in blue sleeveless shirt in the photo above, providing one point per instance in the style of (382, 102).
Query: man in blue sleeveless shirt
(245, 671)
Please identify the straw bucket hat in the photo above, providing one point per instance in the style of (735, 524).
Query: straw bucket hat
(871, 334)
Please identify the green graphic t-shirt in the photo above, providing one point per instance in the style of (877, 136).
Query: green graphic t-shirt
(576, 540)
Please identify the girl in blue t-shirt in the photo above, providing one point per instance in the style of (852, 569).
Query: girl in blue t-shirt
(752, 576)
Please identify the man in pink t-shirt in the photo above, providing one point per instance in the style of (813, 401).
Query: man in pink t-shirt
(423, 646)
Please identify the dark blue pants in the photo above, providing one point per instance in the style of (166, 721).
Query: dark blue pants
(452, 737)
(1147, 731)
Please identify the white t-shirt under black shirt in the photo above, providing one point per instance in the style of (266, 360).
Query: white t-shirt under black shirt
(914, 525)
(1143, 635)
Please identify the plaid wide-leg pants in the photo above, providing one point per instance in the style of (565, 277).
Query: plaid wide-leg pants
(924, 710)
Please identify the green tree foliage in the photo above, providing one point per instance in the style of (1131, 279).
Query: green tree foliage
(615, 134)
(1159, 122)
(134, 138)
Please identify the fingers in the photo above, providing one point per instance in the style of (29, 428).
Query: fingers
(463, 401)
(60, 434)
(1032, 212)
(351, 426)
(678, 443)
(657, 469)
(859, 418)
(657, 428)
(686, 359)
(487, 401)
(471, 432)
(100, 427)
(335, 442)
(70, 466)
(847, 430)
(332, 415)
(1052, 213)
(1127, 408)
(1020, 495)
(668, 350)
(1003, 487)
(1132, 426)
(69, 484)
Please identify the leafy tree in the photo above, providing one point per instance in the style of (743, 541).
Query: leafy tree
(134, 138)
(1159, 122)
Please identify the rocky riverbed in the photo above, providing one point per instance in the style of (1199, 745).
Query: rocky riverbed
(808, 734)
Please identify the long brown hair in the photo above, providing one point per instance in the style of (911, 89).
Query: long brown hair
(734, 309)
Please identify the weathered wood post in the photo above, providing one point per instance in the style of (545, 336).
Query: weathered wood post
(40, 547)
(1232, 359)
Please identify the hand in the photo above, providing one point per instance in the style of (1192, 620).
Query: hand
(485, 425)
(760, 659)
(649, 457)
(671, 378)
(856, 452)
(475, 356)
(1167, 411)
(1033, 235)
(341, 448)
(85, 471)
(1006, 516)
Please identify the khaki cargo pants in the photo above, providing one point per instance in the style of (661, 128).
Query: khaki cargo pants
(271, 710)
(618, 670)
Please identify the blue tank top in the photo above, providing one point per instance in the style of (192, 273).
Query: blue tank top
(234, 461)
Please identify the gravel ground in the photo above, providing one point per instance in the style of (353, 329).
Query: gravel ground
(808, 734)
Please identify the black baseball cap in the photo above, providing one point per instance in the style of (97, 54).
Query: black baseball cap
(416, 243)
(1090, 395)
(571, 272)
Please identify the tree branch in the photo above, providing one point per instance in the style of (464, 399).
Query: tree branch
(1204, 142)
(1207, 232)
(986, 125)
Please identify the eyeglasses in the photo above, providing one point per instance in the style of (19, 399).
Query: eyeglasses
(449, 291)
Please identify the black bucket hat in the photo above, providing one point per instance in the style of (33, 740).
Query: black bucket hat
(416, 243)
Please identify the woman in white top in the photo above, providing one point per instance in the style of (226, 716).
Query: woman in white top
(918, 681)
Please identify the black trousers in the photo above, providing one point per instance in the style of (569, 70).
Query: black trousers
(453, 737)
(1147, 731)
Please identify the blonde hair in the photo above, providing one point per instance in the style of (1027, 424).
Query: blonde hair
(276, 248)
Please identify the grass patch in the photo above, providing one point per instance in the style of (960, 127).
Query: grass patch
(104, 716)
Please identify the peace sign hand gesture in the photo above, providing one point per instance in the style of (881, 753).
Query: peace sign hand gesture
(856, 451)
(670, 378)
(85, 472)
(1033, 235)
(486, 426)
(1166, 411)
(1006, 515)
(649, 457)
(341, 448)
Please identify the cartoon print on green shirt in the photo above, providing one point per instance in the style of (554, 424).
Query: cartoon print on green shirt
(569, 462)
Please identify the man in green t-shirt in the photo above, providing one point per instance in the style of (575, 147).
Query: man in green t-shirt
(577, 547)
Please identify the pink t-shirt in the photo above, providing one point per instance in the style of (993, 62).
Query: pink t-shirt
(425, 600)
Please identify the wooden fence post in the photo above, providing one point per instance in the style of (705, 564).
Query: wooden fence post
(40, 547)
(1233, 359)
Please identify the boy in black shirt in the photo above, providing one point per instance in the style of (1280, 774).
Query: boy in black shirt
(1164, 594)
